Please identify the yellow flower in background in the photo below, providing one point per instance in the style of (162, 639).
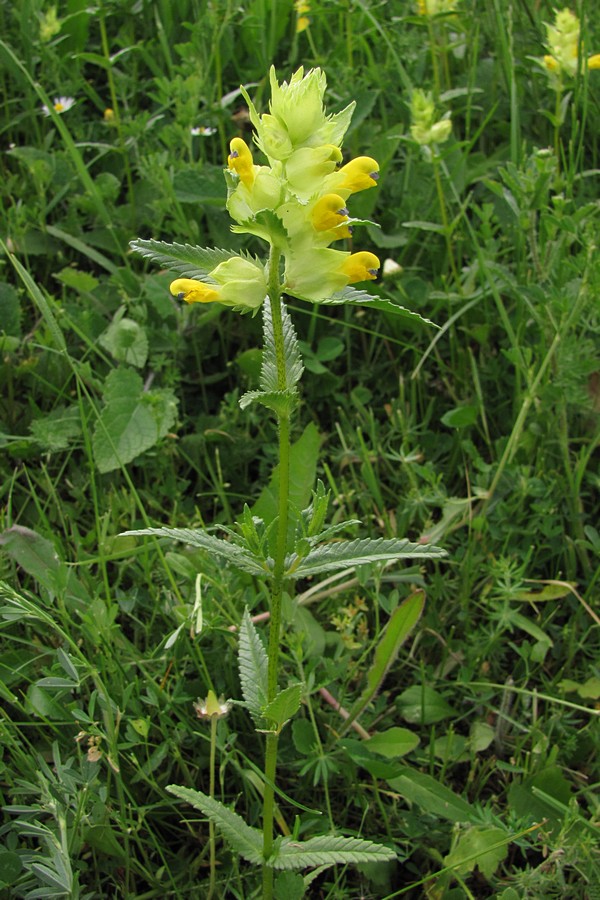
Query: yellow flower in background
(563, 44)
(435, 7)
(425, 128)
(50, 24)
(302, 20)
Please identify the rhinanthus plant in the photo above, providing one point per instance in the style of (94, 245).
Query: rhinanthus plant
(297, 204)
(563, 44)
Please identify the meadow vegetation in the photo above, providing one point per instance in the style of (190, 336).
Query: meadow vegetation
(474, 756)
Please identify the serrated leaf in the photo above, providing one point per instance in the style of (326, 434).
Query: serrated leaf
(184, 259)
(132, 421)
(246, 841)
(362, 298)
(326, 850)
(281, 402)
(234, 554)
(253, 665)
(347, 554)
(285, 705)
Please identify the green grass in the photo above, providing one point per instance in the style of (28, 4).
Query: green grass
(482, 436)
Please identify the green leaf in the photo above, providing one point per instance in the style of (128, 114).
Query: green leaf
(253, 665)
(425, 226)
(37, 556)
(126, 341)
(232, 553)
(285, 705)
(484, 847)
(289, 886)
(303, 467)
(460, 417)
(432, 797)
(58, 429)
(10, 310)
(10, 867)
(423, 705)
(393, 743)
(132, 421)
(401, 623)
(184, 259)
(82, 282)
(350, 295)
(205, 186)
(243, 839)
(281, 402)
(327, 850)
(347, 554)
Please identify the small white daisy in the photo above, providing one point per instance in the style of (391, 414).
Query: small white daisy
(203, 130)
(59, 105)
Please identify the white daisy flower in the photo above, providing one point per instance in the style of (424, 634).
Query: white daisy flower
(203, 130)
(59, 105)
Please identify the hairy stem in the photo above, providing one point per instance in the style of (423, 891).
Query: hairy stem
(283, 422)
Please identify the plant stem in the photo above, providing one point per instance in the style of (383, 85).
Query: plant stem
(445, 220)
(283, 422)
(211, 789)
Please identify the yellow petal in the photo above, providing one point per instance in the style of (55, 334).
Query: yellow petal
(240, 161)
(594, 61)
(361, 266)
(358, 174)
(193, 291)
(329, 212)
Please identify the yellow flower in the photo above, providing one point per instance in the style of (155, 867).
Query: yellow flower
(435, 7)
(425, 130)
(237, 282)
(563, 42)
(240, 161)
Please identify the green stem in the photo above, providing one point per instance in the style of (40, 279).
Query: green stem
(445, 221)
(283, 422)
(211, 789)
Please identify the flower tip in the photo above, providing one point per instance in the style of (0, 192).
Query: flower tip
(192, 291)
